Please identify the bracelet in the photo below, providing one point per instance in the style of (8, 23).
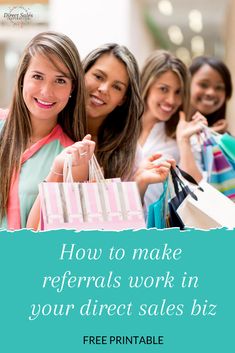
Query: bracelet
(56, 173)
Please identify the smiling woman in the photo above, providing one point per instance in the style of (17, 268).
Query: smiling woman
(106, 84)
(46, 115)
(47, 87)
(211, 88)
(165, 91)
(164, 80)
(114, 107)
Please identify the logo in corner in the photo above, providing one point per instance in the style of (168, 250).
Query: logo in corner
(18, 16)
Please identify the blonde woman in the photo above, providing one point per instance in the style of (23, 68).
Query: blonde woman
(165, 91)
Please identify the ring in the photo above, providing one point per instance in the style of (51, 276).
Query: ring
(83, 154)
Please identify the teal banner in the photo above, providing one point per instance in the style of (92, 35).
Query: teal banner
(132, 291)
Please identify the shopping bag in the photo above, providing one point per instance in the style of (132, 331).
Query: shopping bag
(157, 211)
(220, 167)
(227, 143)
(163, 213)
(210, 209)
(179, 189)
(103, 204)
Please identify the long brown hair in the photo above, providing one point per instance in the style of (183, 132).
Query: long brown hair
(159, 62)
(17, 129)
(119, 132)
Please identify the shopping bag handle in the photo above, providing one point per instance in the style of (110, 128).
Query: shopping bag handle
(67, 169)
(178, 183)
(211, 131)
(95, 171)
(189, 178)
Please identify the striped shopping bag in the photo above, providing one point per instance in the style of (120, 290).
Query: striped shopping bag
(97, 204)
(112, 205)
(227, 144)
(219, 167)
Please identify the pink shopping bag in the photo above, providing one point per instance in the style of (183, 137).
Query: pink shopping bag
(110, 205)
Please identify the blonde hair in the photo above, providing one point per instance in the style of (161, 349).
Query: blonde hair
(159, 62)
(17, 129)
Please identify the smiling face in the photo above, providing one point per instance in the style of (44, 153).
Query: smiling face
(207, 90)
(164, 96)
(106, 83)
(46, 88)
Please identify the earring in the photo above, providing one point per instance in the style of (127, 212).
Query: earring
(70, 96)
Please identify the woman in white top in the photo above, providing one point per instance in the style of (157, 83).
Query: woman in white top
(165, 91)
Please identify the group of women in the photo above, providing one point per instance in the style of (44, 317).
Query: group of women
(138, 125)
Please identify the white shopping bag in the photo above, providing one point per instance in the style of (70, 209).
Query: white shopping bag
(211, 209)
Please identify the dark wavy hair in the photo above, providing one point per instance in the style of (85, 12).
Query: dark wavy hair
(119, 132)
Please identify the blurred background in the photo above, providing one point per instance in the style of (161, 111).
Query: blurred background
(187, 28)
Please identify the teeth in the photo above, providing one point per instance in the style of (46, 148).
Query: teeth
(208, 102)
(42, 102)
(166, 109)
(97, 100)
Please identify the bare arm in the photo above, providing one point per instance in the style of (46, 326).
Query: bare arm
(220, 126)
(33, 220)
(184, 131)
(81, 153)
